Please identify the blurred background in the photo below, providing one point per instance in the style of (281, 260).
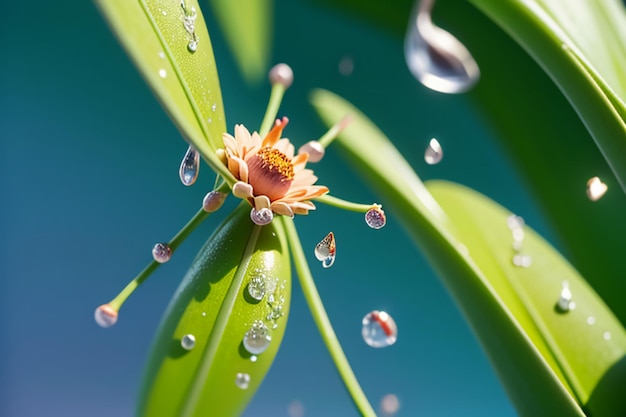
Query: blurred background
(90, 182)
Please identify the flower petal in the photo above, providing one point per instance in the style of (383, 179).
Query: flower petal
(282, 208)
(242, 190)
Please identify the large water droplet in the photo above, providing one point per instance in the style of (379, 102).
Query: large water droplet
(379, 329)
(295, 409)
(257, 339)
(261, 217)
(105, 316)
(436, 58)
(434, 153)
(326, 250)
(189, 166)
(242, 380)
(606, 335)
(188, 341)
(596, 189)
(375, 217)
(161, 252)
(256, 288)
(514, 222)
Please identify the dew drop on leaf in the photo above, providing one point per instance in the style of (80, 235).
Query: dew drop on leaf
(257, 339)
(242, 380)
(188, 341)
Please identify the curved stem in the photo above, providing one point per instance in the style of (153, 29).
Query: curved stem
(323, 323)
(346, 205)
(276, 97)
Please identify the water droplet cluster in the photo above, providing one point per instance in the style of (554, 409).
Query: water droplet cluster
(257, 339)
(256, 287)
(379, 329)
(565, 303)
(188, 342)
(189, 23)
(516, 225)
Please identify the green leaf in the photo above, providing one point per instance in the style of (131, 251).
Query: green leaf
(214, 305)
(248, 26)
(514, 319)
(185, 82)
(581, 45)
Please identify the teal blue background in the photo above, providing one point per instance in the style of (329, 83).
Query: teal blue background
(89, 184)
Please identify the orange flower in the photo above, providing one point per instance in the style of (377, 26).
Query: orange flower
(269, 176)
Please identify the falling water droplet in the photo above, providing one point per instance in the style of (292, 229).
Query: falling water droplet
(162, 73)
(436, 58)
(379, 329)
(522, 261)
(596, 189)
(375, 217)
(434, 153)
(257, 339)
(314, 149)
(242, 380)
(188, 341)
(189, 166)
(565, 303)
(261, 217)
(161, 252)
(326, 250)
(105, 316)
(514, 222)
(256, 288)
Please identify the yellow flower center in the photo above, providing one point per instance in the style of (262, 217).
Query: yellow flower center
(270, 173)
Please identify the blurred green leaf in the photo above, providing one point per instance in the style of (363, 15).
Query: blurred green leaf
(248, 27)
(213, 304)
(514, 319)
(185, 82)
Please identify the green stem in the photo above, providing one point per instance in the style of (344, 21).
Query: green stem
(117, 302)
(346, 205)
(276, 97)
(323, 323)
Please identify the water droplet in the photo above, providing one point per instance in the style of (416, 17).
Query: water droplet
(379, 329)
(314, 149)
(436, 58)
(596, 189)
(261, 217)
(161, 252)
(257, 339)
(326, 250)
(242, 380)
(256, 288)
(209, 120)
(213, 201)
(606, 335)
(518, 234)
(434, 153)
(389, 404)
(514, 222)
(162, 55)
(523, 261)
(192, 46)
(188, 341)
(281, 74)
(204, 314)
(295, 409)
(105, 316)
(162, 73)
(253, 358)
(189, 166)
(163, 12)
(214, 107)
(591, 320)
(375, 217)
(346, 66)
(565, 304)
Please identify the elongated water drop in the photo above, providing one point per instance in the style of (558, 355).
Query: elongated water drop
(189, 166)
(242, 380)
(379, 329)
(257, 339)
(436, 58)
(434, 152)
(326, 250)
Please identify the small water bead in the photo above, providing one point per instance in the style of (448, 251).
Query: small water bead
(189, 167)
(314, 149)
(591, 320)
(257, 339)
(565, 303)
(242, 380)
(161, 252)
(256, 288)
(213, 201)
(606, 335)
(515, 222)
(253, 358)
(326, 250)
(375, 217)
(162, 73)
(105, 316)
(434, 153)
(522, 261)
(379, 329)
(261, 217)
(596, 189)
(188, 342)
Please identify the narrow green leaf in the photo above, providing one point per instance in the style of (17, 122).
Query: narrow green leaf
(248, 26)
(213, 303)
(497, 315)
(154, 34)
